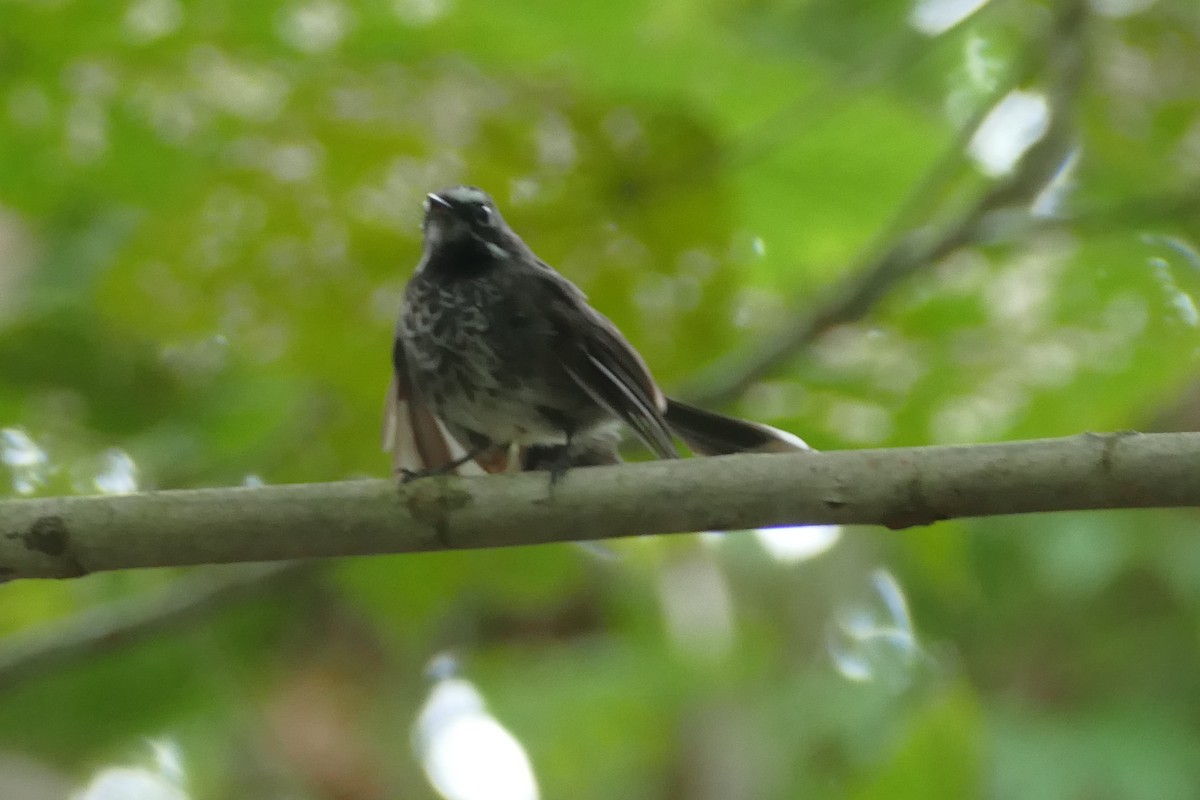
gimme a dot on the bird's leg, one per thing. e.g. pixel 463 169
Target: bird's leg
pixel 559 462
pixel 540 457
pixel 591 448
pixel 556 459
pixel 448 468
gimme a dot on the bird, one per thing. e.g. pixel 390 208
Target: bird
pixel 501 365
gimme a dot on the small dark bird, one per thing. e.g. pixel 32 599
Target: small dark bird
pixel 501 364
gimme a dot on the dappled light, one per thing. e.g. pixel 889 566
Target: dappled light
pixel 1014 125
pixel 938 16
pixel 1177 255
pixel 466 752
pixel 116 473
pixel 871 637
pixel 163 779
pixel 27 463
pixel 792 545
pixel 1121 8
pixel 697 607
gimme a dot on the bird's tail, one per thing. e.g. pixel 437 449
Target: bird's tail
pixel 708 433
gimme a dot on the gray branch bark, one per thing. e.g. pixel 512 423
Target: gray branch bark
pixel 68 537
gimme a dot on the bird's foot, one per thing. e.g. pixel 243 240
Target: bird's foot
pixel 556 459
pixel 449 468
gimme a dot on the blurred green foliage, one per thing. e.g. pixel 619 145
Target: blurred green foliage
pixel 207 214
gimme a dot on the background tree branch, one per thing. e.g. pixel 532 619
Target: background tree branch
pixel 68 537
pixel 124 622
pixel 928 226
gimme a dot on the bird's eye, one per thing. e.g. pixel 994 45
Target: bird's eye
pixel 483 215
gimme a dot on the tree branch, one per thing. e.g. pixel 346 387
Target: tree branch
pixel 68 537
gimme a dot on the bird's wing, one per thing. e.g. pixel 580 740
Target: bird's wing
pixel 419 441
pixel 597 357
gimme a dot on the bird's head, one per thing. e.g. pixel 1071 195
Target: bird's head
pixel 465 220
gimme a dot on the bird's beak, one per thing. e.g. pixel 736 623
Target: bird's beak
pixel 435 202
